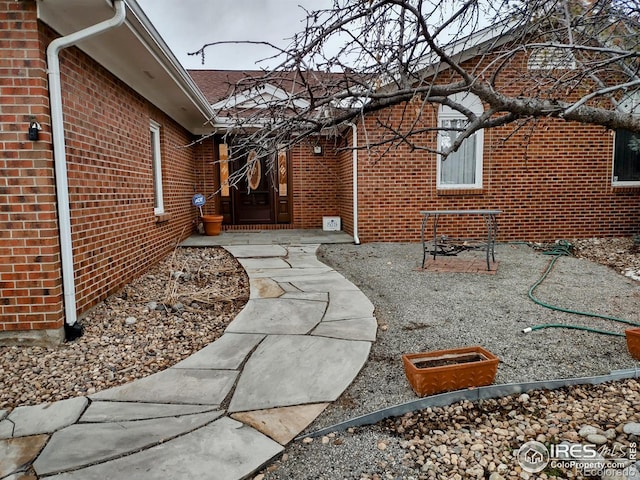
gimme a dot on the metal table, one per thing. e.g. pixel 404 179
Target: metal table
pixel 489 218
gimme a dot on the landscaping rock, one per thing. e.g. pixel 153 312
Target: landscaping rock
pixel 587 430
pixel 115 349
pixel 632 428
pixel 597 439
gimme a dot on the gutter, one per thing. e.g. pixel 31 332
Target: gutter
pixel 60 155
pixel 354 130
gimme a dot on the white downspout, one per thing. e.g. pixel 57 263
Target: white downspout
pixel 354 130
pixel 59 150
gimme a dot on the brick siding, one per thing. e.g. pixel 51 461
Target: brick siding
pixel 116 236
pixel 315 183
pixel 552 181
pixel 30 281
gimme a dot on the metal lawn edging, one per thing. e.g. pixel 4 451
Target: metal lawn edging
pixel 473 395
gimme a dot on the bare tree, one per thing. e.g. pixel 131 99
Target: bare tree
pixel 575 60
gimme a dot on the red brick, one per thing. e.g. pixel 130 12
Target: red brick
pixel 115 234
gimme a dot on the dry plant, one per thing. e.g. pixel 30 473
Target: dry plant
pixel 199 289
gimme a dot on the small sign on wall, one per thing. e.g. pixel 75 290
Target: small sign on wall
pixel 331 224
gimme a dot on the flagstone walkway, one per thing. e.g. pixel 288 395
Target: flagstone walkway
pixel 225 411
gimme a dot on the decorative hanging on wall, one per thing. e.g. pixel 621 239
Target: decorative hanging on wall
pixel 282 173
pixel 254 170
pixel 224 169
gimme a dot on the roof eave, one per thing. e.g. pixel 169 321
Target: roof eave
pixel 137 55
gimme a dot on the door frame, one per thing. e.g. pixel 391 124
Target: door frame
pixel 281 205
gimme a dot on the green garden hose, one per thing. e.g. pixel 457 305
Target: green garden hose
pixel 560 249
pixel 574 327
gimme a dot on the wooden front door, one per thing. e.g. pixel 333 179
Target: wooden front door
pixel 254 193
pixel 253 196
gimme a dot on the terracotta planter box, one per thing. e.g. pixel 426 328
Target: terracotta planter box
pixel 447 370
pixel 633 342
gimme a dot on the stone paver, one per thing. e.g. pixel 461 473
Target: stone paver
pixel 224 450
pixel 257 264
pixel 324 282
pixel 282 424
pixel 302 338
pixel 294 238
pixel 17 453
pixel 105 441
pixel 279 274
pixel 264 288
pixel 6 429
pixel 226 353
pixel 278 316
pixel 20 476
pixel 47 417
pixel 294 370
pixel 288 288
pixel 354 329
pixel 256 251
pixel 308 249
pixel 348 304
pixel 304 260
pixel 312 296
pixel 175 385
pixel 127 411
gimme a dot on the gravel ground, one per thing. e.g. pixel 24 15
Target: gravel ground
pixel 165 316
pixel 422 311
pixel 183 304
pixel 479 440
pixel 425 311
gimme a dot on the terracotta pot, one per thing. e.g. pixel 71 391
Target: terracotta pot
pixel 447 370
pixel 212 224
pixel 633 342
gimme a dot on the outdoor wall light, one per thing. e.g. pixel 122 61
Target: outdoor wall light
pixel 34 129
pixel 317 150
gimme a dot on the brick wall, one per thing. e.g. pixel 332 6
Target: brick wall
pixel 30 281
pixel 207 176
pixel 345 181
pixel 315 183
pixel 116 236
pixel 552 181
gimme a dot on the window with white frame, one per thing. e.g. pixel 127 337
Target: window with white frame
pixel 462 168
pixel 626 151
pixel 156 157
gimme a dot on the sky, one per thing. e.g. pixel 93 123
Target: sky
pixel 186 25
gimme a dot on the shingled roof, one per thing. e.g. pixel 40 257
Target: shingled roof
pixel 218 85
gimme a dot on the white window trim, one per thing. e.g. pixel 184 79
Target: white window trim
pixel 158 194
pixel 614 182
pixel 473 102
pixel 631 104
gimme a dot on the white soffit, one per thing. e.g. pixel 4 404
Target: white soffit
pixel 136 54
